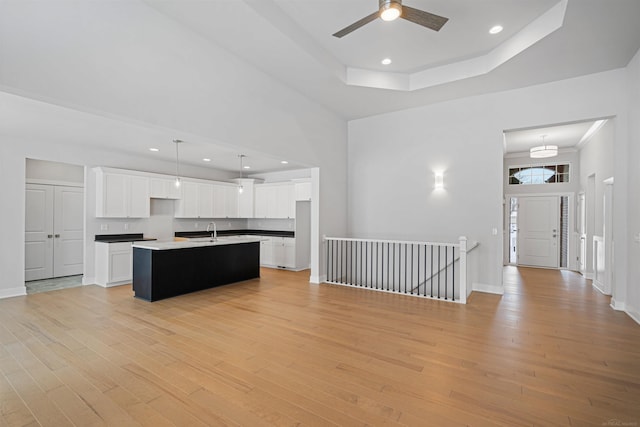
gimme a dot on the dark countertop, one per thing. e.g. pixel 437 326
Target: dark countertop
pixel 273 233
pixel 119 238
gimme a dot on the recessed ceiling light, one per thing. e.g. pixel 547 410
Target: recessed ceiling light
pixel 495 29
pixel 206 160
pixel 154 149
pixel 247 167
pixel 284 162
pixel 386 61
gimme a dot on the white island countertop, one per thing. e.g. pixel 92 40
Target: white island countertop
pixel 161 245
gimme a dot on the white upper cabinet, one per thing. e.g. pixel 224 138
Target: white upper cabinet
pixel 231 201
pixel 303 191
pixel 275 201
pixel 121 196
pixel 126 194
pixel 163 188
pixel 187 205
pixel 207 200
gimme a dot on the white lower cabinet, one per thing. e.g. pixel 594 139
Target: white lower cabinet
pixel 113 263
pixel 266 251
pixel 278 252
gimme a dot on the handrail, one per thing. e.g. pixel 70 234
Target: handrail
pixel 404 242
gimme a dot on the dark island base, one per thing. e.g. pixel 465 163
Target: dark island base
pixel 159 274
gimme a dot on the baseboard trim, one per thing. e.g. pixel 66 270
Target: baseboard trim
pixel 88 280
pixel 111 285
pixel 634 314
pixel 616 305
pixel 13 292
pixel 599 286
pixel 487 289
pixel 316 280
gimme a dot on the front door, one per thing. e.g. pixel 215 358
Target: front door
pixel 538 231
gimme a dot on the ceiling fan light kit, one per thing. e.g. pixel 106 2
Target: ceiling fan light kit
pixel 389 10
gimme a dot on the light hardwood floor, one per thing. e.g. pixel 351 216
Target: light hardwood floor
pixel 279 351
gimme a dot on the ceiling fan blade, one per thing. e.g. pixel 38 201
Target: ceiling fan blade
pixel 420 17
pixel 343 32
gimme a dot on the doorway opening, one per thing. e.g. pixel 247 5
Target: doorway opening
pixel 54 225
pixel 539 231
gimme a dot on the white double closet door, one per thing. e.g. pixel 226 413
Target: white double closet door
pixel 53 231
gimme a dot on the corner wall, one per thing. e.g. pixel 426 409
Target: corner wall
pixel 630 299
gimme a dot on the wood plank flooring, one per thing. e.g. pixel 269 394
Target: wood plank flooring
pixel 279 351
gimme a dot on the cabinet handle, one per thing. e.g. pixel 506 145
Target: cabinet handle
pixel 57 236
pixel 49 236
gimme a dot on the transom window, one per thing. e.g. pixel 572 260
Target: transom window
pixel 539 174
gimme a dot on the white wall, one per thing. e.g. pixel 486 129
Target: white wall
pixel 41 170
pixel 629 298
pixel 596 159
pixel 392 158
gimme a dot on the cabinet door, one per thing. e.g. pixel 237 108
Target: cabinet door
pixel 231 201
pixel 205 201
pixel 278 251
pixel 157 188
pixel 266 252
pixel 138 197
pixel 285 200
pixel 289 253
pixel 162 188
pixel 219 201
pixel 114 196
pixel 260 206
pixel 303 191
pixel 120 262
pixel 187 206
pixel 271 195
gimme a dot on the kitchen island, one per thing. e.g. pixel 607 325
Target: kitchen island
pixel 167 269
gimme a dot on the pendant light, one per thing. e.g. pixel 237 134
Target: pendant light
pixel 178 180
pixel 241 188
pixel 543 151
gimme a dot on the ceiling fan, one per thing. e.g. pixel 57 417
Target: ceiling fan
pixel 391 9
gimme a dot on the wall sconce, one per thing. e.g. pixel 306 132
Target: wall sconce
pixel 439 181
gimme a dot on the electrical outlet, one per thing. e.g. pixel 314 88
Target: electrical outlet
pixel 104 227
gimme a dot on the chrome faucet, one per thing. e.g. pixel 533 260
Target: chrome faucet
pixel 214 235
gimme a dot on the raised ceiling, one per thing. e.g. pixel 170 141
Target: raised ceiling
pixel 291 41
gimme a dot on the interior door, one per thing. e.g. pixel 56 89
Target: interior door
pixel 539 231
pixel 68 231
pixel 38 246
